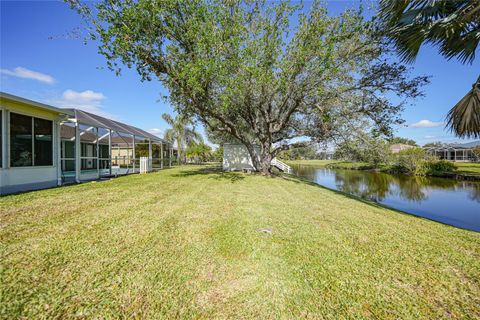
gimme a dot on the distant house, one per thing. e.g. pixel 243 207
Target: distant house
pixel 457 152
pixel 397 147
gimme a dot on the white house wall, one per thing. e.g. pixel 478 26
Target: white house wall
pixel 236 157
pixel 17 179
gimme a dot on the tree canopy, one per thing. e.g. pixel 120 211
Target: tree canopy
pixel 300 153
pixel 261 73
pixel 198 152
pixel 401 140
pixel 364 147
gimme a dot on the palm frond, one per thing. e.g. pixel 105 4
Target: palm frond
pixel 181 133
pixel 453 26
pixel 168 119
pixel 464 118
pixel 169 135
pixel 193 136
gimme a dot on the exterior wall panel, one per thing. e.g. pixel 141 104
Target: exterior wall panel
pixel 17 179
pixel 236 157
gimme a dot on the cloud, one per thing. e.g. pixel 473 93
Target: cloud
pixel 25 73
pixel 156 131
pixel 426 124
pixel 87 97
pixel 87 100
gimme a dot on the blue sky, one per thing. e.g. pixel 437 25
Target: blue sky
pixel 42 59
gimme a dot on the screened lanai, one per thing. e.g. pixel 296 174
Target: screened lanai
pixel 453 152
pixel 93 147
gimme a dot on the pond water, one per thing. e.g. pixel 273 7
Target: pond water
pixel 449 201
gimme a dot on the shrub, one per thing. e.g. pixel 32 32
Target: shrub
pixel 434 168
pixel 422 168
pixel 440 167
pixel 408 160
pixel 416 161
pixel 476 153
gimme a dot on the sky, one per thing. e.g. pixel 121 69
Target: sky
pixel 43 57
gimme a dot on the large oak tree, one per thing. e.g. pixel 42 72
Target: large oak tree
pixel 258 73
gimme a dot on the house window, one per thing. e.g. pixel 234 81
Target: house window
pixel 20 140
pixel 31 141
pixel 43 130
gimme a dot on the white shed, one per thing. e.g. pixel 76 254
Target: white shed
pixel 236 157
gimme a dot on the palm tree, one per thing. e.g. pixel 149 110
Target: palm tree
pixel 182 132
pixel 464 118
pixel 454 26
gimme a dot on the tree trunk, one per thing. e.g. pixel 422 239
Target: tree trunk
pixel 179 151
pixel 263 161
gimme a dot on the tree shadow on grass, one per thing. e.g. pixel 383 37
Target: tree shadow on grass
pixel 213 172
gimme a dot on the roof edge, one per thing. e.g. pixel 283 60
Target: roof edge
pixel 8 96
pixel 97 120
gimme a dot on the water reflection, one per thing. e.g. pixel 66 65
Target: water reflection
pixel 475 192
pixel 446 200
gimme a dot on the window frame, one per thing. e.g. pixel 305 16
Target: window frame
pixel 63 158
pixel 102 135
pixel 62 146
pixel 9 131
pixel 85 143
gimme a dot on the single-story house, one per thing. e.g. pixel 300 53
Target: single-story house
pixel 397 147
pixel 43 146
pixel 457 152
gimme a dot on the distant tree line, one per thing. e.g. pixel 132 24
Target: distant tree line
pixel 306 152
pixel 376 153
pixel 201 153
pixel 401 140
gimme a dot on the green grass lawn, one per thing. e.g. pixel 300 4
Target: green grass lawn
pixel 468 167
pixel 190 242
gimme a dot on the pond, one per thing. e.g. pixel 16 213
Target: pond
pixel 449 201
